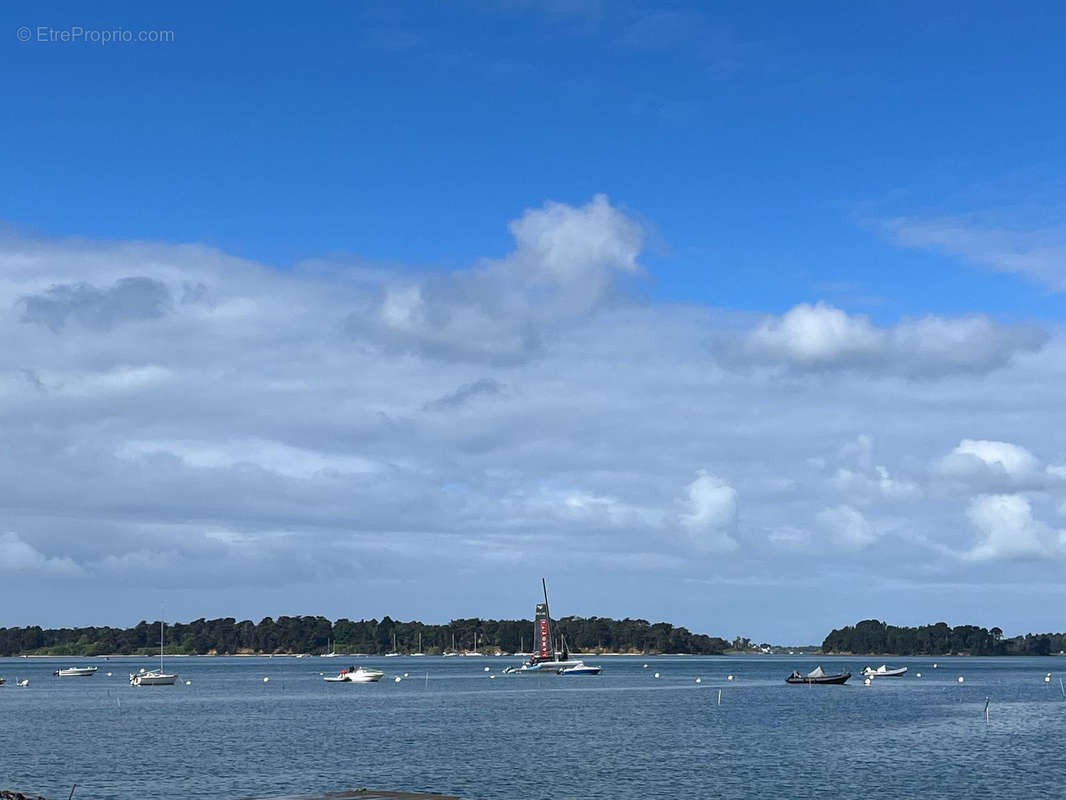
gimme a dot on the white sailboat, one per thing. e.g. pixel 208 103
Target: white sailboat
pixel 332 652
pixel 394 652
pixel 155 677
pixel 419 653
pixel 475 651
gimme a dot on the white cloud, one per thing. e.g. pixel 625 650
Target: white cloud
pixel 1038 254
pixel 565 265
pixel 847 527
pixel 822 337
pixel 987 464
pixel 1007 530
pixel 293 462
pixel 816 335
pixel 710 515
pixel 21 558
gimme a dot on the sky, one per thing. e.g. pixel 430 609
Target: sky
pixel 748 318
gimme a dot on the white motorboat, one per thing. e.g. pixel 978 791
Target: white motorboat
pixel 155 677
pixel 75 672
pixel 545 658
pixel 884 671
pixel 356 675
pixel 581 668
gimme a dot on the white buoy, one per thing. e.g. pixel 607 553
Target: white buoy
pixel 492 677
pixel 487 669
pixel 656 675
pixel 961 679
pixel 405 674
pixel 188 683
pixel 109 674
pixel 266 680
pixel 729 677
pixel 699 680
pixel 1047 679
pixel 867 682
pixel 918 675
pixel 397 679
pixel 645 666
pixel 935 666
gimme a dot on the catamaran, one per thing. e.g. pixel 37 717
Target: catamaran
pixel 545 658
pixel 155 677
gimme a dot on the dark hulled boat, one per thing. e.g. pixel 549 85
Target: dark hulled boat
pixel 818 675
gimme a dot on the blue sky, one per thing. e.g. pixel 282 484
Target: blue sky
pixel 788 192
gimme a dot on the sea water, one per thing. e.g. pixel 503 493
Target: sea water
pixel 451 726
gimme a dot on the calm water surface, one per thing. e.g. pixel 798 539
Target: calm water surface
pixel 624 734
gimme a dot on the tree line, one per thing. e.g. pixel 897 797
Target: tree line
pixel 872 636
pixel 317 635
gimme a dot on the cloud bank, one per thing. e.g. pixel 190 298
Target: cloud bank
pixel 176 417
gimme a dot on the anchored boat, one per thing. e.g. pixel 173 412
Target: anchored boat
pixel 155 677
pixel 818 675
pixel 356 675
pixel 884 671
pixel 545 658
pixel 75 672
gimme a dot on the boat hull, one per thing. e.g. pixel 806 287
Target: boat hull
pixel 75 672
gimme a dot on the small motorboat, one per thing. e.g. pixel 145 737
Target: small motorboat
pixel 581 668
pixel 884 671
pixel 356 675
pixel 75 672
pixel 818 675
pixel 1 681
pixel 24 682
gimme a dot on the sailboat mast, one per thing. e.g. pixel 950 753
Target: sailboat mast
pixel 161 623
